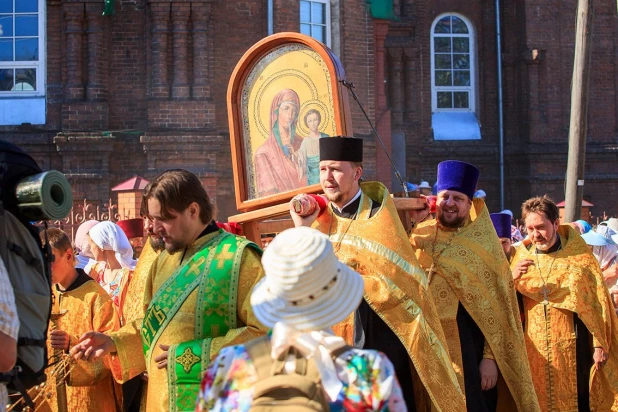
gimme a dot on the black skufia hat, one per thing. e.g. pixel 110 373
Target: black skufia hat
pixel 341 148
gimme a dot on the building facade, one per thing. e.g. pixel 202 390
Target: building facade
pixel 104 98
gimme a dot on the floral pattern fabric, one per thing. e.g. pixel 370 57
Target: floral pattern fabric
pixel 116 288
pixel 368 378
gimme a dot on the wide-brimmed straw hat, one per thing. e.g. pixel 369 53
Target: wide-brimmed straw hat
pixel 305 285
pixel 424 185
pixel 612 223
pixel 592 238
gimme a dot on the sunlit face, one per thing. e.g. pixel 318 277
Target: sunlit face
pixel 313 121
pixel 137 243
pixel 62 265
pixel 96 251
pixel 541 231
pixel 506 246
pixel 452 208
pixel 155 240
pixel 339 180
pixel 287 114
pixel 175 230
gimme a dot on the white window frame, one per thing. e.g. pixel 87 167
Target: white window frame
pixel 39 65
pixel 473 82
pixel 328 22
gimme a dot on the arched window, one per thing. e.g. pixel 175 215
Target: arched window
pixel 453 63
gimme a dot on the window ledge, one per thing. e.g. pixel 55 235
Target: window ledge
pixel 17 110
pixel 455 126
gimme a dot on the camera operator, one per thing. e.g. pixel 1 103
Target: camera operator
pixel 9 327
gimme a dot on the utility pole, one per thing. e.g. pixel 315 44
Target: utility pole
pixel 579 112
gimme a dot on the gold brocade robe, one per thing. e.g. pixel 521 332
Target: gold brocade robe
pixel 573 284
pixel 130 361
pixel 133 307
pixel 471 268
pixel 396 289
pixel 90 385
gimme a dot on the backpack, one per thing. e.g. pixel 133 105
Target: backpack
pixel 29 273
pixel 276 391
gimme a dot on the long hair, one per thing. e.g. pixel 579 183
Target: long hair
pixel 175 190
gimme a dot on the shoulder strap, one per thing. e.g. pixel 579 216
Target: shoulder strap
pixel 21 252
pixel 259 352
pixel 335 354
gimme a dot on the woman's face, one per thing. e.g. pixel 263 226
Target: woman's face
pixel 287 114
pixel 313 121
pixel 96 251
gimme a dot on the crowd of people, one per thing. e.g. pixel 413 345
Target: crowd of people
pixel 347 311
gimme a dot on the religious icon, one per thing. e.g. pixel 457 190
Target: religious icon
pixel 283 97
pixel 310 148
pixel 281 142
pixel 277 164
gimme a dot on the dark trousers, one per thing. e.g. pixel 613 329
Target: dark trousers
pixel 132 394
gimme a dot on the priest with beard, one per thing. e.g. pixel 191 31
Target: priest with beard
pixel 470 282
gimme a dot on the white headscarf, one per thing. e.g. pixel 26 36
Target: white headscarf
pixel 109 236
pixel 606 255
pixel 81 240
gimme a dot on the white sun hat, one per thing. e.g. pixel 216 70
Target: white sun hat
pixel 612 223
pixel 305 285
pixel 480 194
pixel 424 185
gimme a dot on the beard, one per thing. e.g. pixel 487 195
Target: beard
pixel 542 247
pixel 175 246
pixel 337 197
pixel 156 243
pixel 454 224
pixel 551 241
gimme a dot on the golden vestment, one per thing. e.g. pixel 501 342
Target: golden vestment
pixel 133 307
pixel 395 288
pixel 130 359
pixel 573 285
pixel 469 267
pixel 90 385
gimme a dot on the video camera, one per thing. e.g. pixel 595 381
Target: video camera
pixel 27 191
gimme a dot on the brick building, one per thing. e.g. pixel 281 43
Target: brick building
pixel 104 98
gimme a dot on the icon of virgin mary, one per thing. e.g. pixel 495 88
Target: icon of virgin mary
pixel 276 162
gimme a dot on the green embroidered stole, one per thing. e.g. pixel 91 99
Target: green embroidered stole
pixel 215 271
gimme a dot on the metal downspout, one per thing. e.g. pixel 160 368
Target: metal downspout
pixel 270 19
pixel 500 102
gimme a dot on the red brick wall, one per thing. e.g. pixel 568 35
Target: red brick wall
pixel 536 98
pixel 147 102
pixel 539 95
